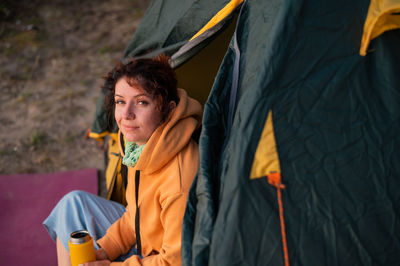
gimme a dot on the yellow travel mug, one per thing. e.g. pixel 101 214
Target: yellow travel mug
pixel 81 247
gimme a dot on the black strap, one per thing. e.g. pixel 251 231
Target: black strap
pixel 124 168
pixel 137 218
pixel 124 176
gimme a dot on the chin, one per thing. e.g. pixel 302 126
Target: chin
pixel 130 139
pixel 133 139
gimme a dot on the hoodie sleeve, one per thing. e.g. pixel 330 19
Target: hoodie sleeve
pixel 173 208
pixel 119 238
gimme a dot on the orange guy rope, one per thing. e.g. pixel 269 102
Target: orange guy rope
pixel 275 180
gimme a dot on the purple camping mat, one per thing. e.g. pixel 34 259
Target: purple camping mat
pixel 25 201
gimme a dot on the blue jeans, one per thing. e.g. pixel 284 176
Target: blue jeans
pixel 79 210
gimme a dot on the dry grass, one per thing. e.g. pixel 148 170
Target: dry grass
pixel 53 54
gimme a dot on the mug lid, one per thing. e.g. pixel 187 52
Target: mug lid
pixel 79 237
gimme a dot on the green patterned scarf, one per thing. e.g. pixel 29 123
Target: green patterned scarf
pixel 132 153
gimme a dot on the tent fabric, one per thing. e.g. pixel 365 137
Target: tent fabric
pixel 26 200
pixel 336 123
pixel 204 36
pixel 171 26
pixel 222 14
pixel 383 15
pixel 266 160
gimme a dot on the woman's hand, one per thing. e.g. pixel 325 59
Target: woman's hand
pixel 101 259
pixel 101 254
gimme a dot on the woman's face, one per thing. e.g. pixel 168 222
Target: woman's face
pixel 136 112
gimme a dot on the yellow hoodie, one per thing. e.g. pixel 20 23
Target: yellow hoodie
pixel 167 166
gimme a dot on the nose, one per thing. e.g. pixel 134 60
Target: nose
pixel 129 112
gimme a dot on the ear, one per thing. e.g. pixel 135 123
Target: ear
pixel 172 105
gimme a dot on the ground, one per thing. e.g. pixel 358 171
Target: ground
pixel 53 54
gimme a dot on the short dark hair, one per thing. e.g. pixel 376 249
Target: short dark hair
pixel 154 75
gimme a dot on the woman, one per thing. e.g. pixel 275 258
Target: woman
pixel 156 121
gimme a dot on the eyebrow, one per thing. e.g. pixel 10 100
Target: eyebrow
pixel 142 94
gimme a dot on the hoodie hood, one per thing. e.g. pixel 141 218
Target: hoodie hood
pixel 171 136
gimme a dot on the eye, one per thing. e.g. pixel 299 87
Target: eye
pixel 119 101
pixel 142 102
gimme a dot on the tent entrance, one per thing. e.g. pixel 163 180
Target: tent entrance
pixel 197 74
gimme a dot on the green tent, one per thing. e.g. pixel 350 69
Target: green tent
pixel 299 158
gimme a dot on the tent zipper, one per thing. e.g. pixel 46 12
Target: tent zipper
pixel 235 77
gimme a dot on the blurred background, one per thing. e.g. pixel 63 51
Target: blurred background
pixel 53 54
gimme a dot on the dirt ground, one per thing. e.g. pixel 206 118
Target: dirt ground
pixel 53 54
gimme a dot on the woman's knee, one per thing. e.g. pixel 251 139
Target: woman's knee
pixel 73 197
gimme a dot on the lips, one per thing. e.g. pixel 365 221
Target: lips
pixel 129 128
